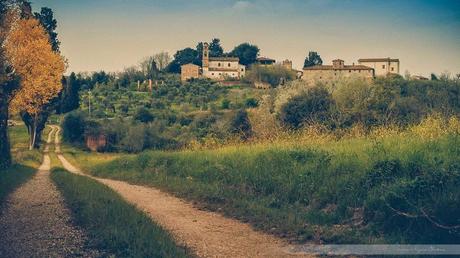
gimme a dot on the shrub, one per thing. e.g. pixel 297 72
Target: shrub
pixel 241 125
pixel 143 115
pixel 251 103
pixel 73 127
pixel 314 106
pixel 272 75
pixel 225 104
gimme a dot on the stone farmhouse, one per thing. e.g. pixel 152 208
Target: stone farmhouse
pixel 216 68
pixel 381 66
pixel 338 70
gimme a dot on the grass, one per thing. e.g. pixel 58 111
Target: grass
pixel 389 188
pixel 112 224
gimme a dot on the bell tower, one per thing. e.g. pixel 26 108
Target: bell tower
pixel 205 55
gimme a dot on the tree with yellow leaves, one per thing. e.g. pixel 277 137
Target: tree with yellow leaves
pixel 40 69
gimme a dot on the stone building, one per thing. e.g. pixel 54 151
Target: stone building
pixel 381 66
pixel 338 70
pixel 189 71
pixel 265 61
pixel 216 68
pixel 221 68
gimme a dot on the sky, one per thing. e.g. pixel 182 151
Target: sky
pixel 111 35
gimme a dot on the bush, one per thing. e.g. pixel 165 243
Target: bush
pixel 73 127
pixel 251 103
pixel 143 115
pixel 241 125
pixel 272 75
pixel 314 106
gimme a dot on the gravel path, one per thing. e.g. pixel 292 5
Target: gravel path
pixel 36 223
pixel 208 234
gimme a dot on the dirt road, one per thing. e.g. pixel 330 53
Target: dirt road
pixel 208 234
pixel 36 223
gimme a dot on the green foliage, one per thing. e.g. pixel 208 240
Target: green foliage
pixel 110 222
pixel 312 59
pixel 143 115
pixel 215 49
pixel 182 57
pixel 46 18
pixel 251 103
pixel 69 97
pixel 314 106
pixel 246 52
pixel 73 127
pixel 225 104
pixel 343 191
pixel 240 124
pixel 273 75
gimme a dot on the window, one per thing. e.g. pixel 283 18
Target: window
pixel 392 69
pixel 349 71
pixel 383 66
pixel 218 64
pixel 220 73
pixel 228 64
pixel 212 73
pixel 242 69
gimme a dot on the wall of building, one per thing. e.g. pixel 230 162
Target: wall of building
pixel 330 76
pixel 217 72
pixel 189 71
pixel 382 68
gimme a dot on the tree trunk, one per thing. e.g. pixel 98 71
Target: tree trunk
pixel 33 136
pixel 5 154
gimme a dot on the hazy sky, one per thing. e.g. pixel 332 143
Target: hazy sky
pixel 113 34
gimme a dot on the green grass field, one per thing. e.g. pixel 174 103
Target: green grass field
pixel 112 224
pixel 400 188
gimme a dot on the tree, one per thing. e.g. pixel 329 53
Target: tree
pixel 215 49
pixel 241 125
pixel 162 60
pixel 40 69
pixel 48 22
pixel 8 84
pixel 143 115
pixel 312 59
pixel 70 98
pixel 310 107
pixel 246 52
pixel 149 67
pixel 46 19
pixel 184 56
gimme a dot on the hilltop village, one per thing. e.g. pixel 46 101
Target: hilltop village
pixel 230 68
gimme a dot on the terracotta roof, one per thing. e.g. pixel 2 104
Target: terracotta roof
pixel 265 59
pixel 190 64
pixel 378 60
pixel 223 58
pixel 345 67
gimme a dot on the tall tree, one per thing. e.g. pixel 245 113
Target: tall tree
pixel 69 99
pixel 162 60
pixel 8 83
pixel 184 56
pixel 149 67
pixel 215 49
pixel 246 52
pixel 312 59
pixel 46 18
pixel 39 67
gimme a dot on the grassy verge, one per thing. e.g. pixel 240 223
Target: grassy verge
pixel 111 223
pixel 393 188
